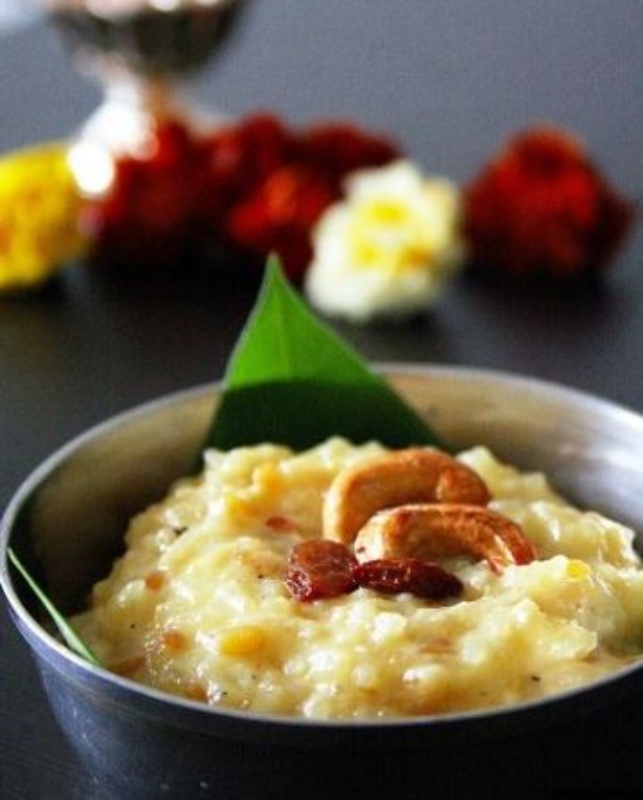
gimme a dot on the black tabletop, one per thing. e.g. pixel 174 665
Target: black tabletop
pixel 449 83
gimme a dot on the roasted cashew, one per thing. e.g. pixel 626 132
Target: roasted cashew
pixel 433 531
pixel 414 475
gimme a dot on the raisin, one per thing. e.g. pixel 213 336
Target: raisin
pixel 421 578
pixel 319 568
pixel 281 524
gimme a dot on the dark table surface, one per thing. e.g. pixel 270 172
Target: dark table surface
pixel 87 347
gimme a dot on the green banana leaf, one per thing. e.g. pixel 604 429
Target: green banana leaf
pixel 291 380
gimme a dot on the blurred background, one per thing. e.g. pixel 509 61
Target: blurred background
pixel 449 79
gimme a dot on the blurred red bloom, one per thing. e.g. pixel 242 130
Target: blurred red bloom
pixel 279 216
pixel 243 154
pixel 153 214
pixel 256 186
pixel 286 178
pixel 337 148
pixel 541 207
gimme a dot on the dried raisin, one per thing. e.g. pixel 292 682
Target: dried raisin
pixel 319 568
pixel 393 575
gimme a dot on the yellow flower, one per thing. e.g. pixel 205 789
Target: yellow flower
pixel 39 209
pixel 387 249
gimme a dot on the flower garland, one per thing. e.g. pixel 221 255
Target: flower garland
pixel 357 224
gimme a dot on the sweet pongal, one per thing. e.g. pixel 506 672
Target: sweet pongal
pixel 492 591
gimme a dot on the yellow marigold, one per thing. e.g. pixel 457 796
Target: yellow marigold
pixel 39 211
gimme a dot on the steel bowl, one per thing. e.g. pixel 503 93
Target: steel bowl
pixel 66 523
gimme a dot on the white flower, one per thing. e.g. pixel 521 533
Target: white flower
pixel 386 249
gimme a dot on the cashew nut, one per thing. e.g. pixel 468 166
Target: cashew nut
pixel 414 475
pixel 433 531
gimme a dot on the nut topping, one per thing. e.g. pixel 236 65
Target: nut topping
pixel 414 475
pixel 432 532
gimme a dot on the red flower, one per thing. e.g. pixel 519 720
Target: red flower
pixel 280 215
pixel 256 185
pixel 338 148
pixel 154 212
pixel 541 207
pixel 279 181
pixel 242 155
